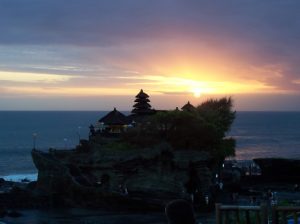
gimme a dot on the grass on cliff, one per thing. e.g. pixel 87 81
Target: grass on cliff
pixel 120 146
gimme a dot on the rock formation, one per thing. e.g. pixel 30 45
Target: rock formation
pixel 151 176
pixel 279 169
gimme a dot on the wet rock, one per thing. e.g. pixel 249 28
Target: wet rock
pixel 2 181
pixel 285 169
pixel 31 185
pixel 25 180
pixel 14 214
pixel 105 176
pixel 3 212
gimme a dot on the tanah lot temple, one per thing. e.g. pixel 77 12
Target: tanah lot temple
pixel 101 171
pixel 115 122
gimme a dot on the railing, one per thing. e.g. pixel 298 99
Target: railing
pixel 234 214
pixel 281 214
pixel 230 214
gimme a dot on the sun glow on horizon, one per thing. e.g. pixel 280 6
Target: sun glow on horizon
pixel 181 85
pixel 197 92
pixel 193 82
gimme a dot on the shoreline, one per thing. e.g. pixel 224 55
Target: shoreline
pixel 255 189
pixel 32 176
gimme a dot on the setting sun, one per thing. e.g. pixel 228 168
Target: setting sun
pixel 197 92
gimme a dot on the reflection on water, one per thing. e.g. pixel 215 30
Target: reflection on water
pixel 267 134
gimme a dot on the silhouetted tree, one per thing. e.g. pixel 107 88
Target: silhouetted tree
pixel 204 128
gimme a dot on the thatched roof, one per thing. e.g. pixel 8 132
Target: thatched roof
pixel 142 99
pixel 115 117
pixel 143 111
pixel 143 105
pixel 141 94
pixel 188 107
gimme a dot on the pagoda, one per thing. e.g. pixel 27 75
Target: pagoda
pixel 142 106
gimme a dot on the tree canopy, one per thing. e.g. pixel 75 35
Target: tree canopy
pixel 204 128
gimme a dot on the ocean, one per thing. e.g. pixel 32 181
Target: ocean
pixel 258 134
pixel 266 134
pixel 56 129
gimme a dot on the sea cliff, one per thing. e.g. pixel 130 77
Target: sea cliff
pixel 93 176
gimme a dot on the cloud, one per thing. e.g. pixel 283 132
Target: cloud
pixel 32 77
pixel 104 22
pixel 297 81
pixel 234 46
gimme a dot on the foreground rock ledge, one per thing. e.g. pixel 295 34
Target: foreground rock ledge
pixel 104 177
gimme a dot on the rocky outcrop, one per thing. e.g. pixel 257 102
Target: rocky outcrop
pixel 145 175
pixel 279 169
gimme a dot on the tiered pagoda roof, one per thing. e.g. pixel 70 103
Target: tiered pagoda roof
pixel 142 106
pixel 142 95
pixel 141 110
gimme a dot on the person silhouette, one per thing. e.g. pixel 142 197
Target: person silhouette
pixel 180 212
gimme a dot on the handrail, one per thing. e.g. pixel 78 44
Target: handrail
pixel 278 214
pixel 284 210
pixel 236 207
pixel 288 208
pixel 223 212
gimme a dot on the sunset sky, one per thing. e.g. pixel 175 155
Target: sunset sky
pixel 98 54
